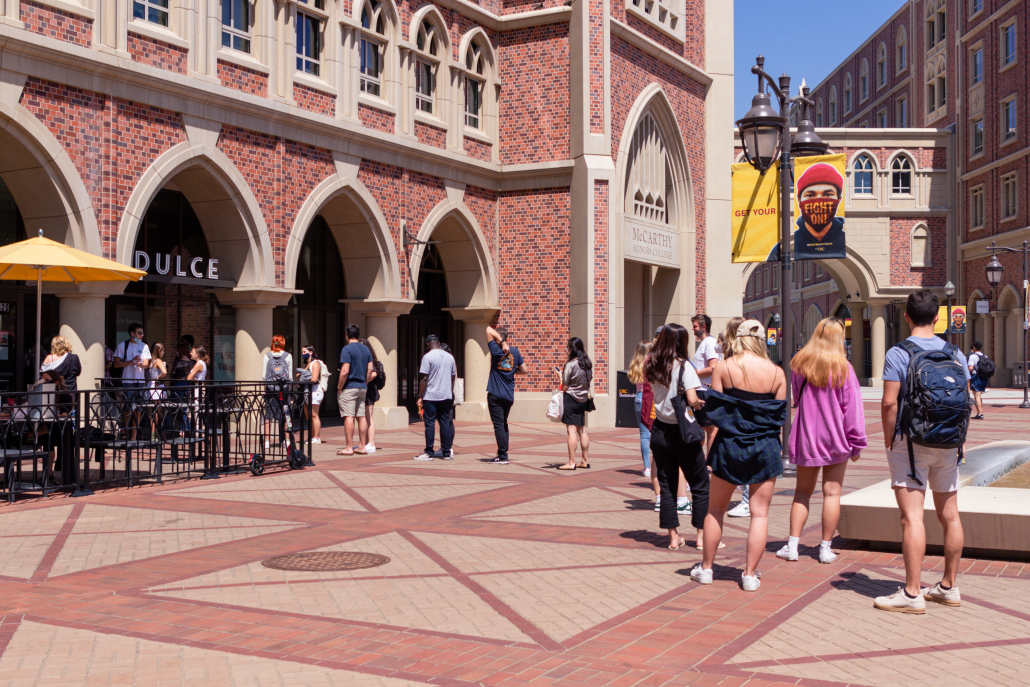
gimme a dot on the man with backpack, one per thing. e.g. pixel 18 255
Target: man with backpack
pixel 925 413
pixel 355 369
pixel 981 369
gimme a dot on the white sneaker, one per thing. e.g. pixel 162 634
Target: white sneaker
pixel 647 473
pixel 948 597
pixel 449 455
pixel 899 602
pixel 369 448
pixel 700 575
pixel 742 510
pixel 787 554
pixel 751 583
pixel 424 456
pixel 316 441
pixel 826 555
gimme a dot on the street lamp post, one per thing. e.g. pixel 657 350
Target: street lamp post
pixel 949 291
pixel 994 272
pixel 765 134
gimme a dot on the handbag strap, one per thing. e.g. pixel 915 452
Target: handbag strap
pixel 680 390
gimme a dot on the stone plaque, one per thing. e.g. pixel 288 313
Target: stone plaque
pixel 651 244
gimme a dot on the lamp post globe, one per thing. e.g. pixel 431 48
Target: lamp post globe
pixel 760 131
pixel 994 271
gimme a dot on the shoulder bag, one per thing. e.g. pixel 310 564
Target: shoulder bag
pixel 690 430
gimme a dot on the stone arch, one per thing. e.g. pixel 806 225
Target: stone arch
pixel 812 317
pixel 223 202
pixel 853 275
pixel 468 266
pixel 857 153
pixel 361 233
pixel 44 181
pixel 431 13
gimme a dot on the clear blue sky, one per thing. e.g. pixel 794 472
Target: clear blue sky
pixel 802 38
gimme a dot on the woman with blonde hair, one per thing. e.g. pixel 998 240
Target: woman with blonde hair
pixel 742 509
pixel 748 405
pixel 636 376
pixel 828 431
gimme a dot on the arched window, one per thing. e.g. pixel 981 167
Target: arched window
pixel 833 105
pixel 901 50
pixel 427 62
pixel 649 186
pixel 474 85
pixel 372 46
pixel 847 94
pixel 921 246
pixel 819 112
pixel 881 67
pixel 863 82
pixel 901 176
pixel 862 170
pixel 812 319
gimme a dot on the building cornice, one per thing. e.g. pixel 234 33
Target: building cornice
pixel 508 22
pixel 1009 239
pixel 639 40
pixel 989 21
pixel 1011 157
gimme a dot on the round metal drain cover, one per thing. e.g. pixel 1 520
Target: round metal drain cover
pixel 324 561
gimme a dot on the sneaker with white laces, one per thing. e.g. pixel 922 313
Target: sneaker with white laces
pixel 425 455
pixel 900 602
pixel 787 554
pixel 657 504
pixel 369 448
pixel 316 440
pixel 742 510
pixel 826 555
pixel 937 594
pixel 647 473
pixel 751 583
pixel 700 575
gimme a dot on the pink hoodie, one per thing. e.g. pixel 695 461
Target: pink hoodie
pixel 830 423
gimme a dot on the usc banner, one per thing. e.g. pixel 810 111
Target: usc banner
pixel 756 213
pixel 818 207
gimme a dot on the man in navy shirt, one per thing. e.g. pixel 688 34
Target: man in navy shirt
pixel 505 363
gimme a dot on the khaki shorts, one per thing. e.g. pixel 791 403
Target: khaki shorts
pixel 352 402
pixel 936 468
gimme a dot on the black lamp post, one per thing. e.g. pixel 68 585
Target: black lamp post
pixel 994 272
pixel 949 291
pixel 765 136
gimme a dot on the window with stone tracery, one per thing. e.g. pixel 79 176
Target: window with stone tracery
pixel 649 189
pixel 665 14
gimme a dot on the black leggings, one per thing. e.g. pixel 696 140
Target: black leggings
pixel 669 453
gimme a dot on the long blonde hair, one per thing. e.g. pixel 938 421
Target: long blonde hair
pixel 729 335
pixel 823 360
pixel 636 367
pixel 60 345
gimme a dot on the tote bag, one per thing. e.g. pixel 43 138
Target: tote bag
pixel 556 406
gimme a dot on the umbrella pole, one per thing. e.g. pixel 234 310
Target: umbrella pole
pixel 39 315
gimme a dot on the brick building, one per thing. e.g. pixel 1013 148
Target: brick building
pixel 289 166
pixel 956 66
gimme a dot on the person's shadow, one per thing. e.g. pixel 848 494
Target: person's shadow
pixel 860 583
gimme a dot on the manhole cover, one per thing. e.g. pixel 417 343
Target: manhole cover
pixel 323 561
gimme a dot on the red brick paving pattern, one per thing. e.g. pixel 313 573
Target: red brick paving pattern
pixel 586 593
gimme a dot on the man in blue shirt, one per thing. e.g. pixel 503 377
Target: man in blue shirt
pixel 936 467
pixel 505 363
pixel 355 369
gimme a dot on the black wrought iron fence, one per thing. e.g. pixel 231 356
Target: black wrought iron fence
pixel 54 440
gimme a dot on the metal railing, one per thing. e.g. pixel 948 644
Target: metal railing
pixel 125 435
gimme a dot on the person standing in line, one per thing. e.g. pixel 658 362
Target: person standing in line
pixel 436 398
pixel 63 368
pixel 278 368
pixel 575 382
pixel 706 355
pixel 977 384
pixel 665 368
pixel 133 358
pixel 156 372
pixel 352 389
pixel 636 377
pixel 371 397
pixel 318 372
pixel 748 405
pixel 201 362
pixel 742 509
pixel 828 431
pixel 911 474
pixel 505 362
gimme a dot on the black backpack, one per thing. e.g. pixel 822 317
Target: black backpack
pixel 985 367
pixel 380 380
pixel 935 410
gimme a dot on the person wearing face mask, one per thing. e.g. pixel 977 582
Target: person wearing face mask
pixel 819 233
pixel 133 358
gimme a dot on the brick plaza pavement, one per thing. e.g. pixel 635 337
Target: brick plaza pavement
pixel 498 575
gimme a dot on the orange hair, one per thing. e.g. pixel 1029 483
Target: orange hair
pixel 278 343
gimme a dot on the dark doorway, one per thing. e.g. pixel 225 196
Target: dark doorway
pixel 428 317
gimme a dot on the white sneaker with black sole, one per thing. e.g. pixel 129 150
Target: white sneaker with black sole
pixel 425 455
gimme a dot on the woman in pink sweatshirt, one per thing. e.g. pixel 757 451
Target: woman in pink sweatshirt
pixel 828 430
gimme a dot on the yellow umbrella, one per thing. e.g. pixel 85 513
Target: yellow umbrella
pixel 45 260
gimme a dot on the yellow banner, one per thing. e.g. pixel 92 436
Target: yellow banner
pixel 756 213
pixel 819 207
pixel 955 323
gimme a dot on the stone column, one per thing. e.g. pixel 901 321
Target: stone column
pixel 857 339
pixel 999 339
pixel 878 341
pixel 381 331
pixel 253 308
pixel 82 323
pixel 477 361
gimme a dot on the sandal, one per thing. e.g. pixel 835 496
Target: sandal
pixel 585 466
pixel 678 546
pixel 701 547
pixel 567 467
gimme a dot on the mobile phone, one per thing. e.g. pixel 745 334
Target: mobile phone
pixel 557 369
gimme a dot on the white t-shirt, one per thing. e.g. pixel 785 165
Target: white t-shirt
pixel 127 351
pixel 707 350
pixel 663 395
pixel 973 361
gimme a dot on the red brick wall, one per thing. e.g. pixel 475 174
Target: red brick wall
pixel 479 150
pixel 63 26
pixel 534 104
pixel 430 135
pixel 596 66
pixel 534 278
pixel 314 101
pixel 483 204
pixel 601 286
pixel 375 119
pixel 902 272
pixel 303 168
pixel 693 47
pixel 242 79
pixel 157 54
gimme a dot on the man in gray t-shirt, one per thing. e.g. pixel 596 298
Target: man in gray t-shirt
pixel 436 397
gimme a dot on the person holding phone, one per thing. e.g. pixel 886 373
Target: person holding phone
pixel 576 402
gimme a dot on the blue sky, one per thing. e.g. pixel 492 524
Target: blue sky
pixel 802 38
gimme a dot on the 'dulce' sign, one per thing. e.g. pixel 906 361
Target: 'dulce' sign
pixel 163 264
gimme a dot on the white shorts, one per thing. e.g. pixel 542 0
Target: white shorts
pixel 936 468
pixel 317 396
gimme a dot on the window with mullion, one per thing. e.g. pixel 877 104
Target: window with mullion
pixel 153 11
pixel 309 43
pixel 371 66
pixel 1008 120
pixel 1008 44
pixel 473 102
pixel 863 175
pixel 424 86
pixel 236 25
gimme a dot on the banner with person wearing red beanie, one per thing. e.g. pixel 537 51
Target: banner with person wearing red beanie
pixel 819 207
